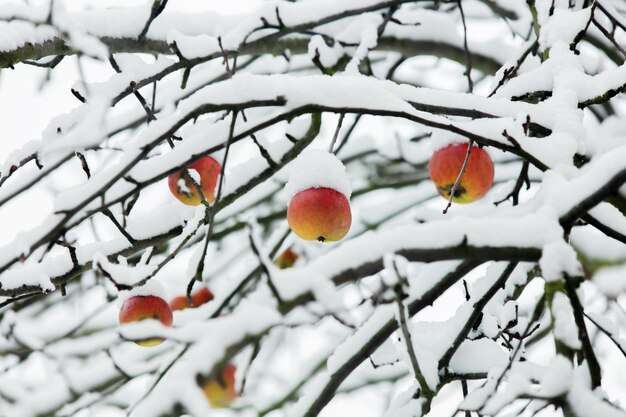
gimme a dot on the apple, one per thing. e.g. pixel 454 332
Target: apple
pixel 286 259
pixel 319 213
pixel 220 391
pixel 184 189
pixel 202 296
pixel 445 166
pixel 142 307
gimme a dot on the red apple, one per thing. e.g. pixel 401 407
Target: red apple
pixel 286 259
pixel 181 302
pixel 221 391
pixel 445 166
pixel 319 213
pixel 184 189
pixel 142 307
pixel 203 295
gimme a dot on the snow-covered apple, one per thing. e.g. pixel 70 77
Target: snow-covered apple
pixel 318 190
pixel 220 391
pixel 319 214
pixel 181 302
pixel 183 188
pixel 142 307
pixel 286 259
pixel 446 164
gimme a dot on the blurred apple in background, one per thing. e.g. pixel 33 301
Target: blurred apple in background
pixel 286 259
pixel 220 391
pixel 202 296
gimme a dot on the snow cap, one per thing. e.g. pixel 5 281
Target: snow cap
pixel 317 169
pixel 152 287
pixel 440 140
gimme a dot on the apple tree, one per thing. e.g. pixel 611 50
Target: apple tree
pixel 264 172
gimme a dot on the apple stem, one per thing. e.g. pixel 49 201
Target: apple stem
pixel 458 178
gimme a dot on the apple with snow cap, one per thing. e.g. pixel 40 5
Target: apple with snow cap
pixel 202 296
pixel 446 164
pixel 319 192
pixel 220 391
pixel 145 303
pixel 204 172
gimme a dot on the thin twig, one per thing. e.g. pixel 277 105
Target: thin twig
pixel 522 179
pixel 212 211
pixel 512 71
pixel 262 261
pixel 120 287
pixel 159 377
pixel 332 143
pixel 425 389
pixel 225 55
pixel 610 37
pixel 478 307
pixel 592 361
pixel 117 366
pixel 607 333
pixel 468 54
pixel 264 153
pixel 580 35
pixel 18 298
pixel 157 9
pixel 346 136
pixel 458 179
pixel 153 104
pixel 464 391
pixel 255 352
pixel 107 212
pixel 83 163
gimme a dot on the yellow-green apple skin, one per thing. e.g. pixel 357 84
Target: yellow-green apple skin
pixel 319 214
pixel 142 307
pixel 202 296
pixel 445 166
pixel 208 169
pixel 286 259
pixel 220 392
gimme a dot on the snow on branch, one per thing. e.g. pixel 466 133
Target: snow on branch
pixel 170 175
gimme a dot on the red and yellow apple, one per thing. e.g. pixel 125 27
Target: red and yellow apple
pixel 319 214
pixel 181 302
pixel 220 391
pixel 286 259
pixel 446 164
pixel 142 307
pixel 183 188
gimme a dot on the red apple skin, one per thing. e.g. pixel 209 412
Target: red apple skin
pixel 319 214
pixel 220 392
pixel 202 296
pixel 142 307
pixel 286 259
pixel 445 165
pixel 209 170
pixel 181 302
